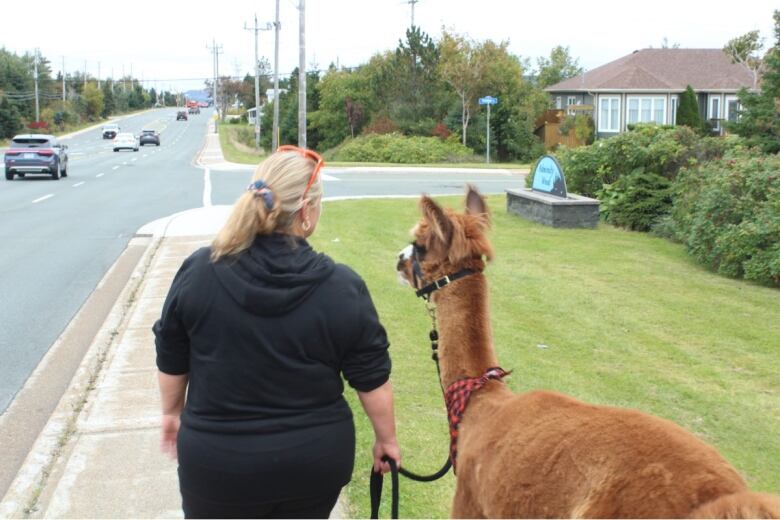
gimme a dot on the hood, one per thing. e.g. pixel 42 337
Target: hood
pixel 275 275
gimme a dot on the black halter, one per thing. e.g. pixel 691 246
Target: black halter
pixel 425 291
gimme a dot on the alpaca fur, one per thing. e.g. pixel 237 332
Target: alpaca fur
pixel 543 454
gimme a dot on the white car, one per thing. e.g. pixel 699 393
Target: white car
pixel 125 141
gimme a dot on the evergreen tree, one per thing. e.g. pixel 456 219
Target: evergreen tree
pixel 688 111
pixel 759 121
pixel 10 121
pixel 109 105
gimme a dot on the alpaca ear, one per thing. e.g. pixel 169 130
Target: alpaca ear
pixel 437 220
pixel 475 204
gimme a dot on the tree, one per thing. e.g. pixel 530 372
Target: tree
pixel 93 99
pixel 10 120
pixel 558 67
pixel 461 66
pixel 759 118
pixel 109 104
pixel 746 50
pixel 688 111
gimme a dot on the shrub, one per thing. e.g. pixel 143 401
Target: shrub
pixel 658 149
pixel 727 212
pixel 381 125
pixel 636 201
pixel 396 148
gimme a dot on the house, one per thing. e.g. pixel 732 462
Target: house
pixel 646 85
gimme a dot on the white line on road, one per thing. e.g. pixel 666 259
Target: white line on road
pixel 124 163
pixel 143 156
pixel 40 199
pixel 115 168
pixel 133 159
pixel 206 188
pixel 78 184
pixel 99 175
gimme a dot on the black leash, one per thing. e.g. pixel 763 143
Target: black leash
pixel 377 479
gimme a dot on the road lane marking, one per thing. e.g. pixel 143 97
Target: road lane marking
pixel 133 159
pixel 41 199
pixel 124 163
pixel 99 175
pixel 78 184
pixel 143 156
pixel 115 168
pixel 206 188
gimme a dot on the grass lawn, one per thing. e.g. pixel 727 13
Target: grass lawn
pixel 235 151
pixel 627 320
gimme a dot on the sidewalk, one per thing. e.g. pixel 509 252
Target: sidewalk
pixel 211 155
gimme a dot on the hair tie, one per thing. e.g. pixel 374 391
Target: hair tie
pixel 260 189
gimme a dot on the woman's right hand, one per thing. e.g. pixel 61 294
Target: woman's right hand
pixel 389 448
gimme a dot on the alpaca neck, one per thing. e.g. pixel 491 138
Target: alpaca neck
pixel 465 338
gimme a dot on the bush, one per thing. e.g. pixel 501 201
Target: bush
pixel 727 212
pixel 658 149
pixel 636 201
pixel 396 148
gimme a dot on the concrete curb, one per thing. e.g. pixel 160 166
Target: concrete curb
pixel 31 480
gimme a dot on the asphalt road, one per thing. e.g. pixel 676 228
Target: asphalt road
pixel 59 238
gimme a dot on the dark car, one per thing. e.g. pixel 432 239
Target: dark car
pixel 110 130
pixel 36 153
pixel 149 137
pixel 181 115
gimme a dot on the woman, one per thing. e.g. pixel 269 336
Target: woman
pixel 257 331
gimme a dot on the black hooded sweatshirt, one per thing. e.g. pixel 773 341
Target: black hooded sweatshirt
pixel 265 337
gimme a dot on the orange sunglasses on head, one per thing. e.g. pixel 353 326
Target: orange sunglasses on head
pixel 309 154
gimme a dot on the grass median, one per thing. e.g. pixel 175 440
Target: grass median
pixel 608 316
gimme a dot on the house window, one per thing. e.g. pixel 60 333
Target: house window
pixel 732 108
pixel 650 109
pixel 674 110
pixel 609 114
pixel 714 115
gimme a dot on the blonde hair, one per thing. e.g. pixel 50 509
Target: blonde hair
pixel 286 175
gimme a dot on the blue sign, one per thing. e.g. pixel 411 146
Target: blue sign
pixel 488 100
pixel 548 177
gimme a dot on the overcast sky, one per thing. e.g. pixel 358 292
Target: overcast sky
pixel 166 40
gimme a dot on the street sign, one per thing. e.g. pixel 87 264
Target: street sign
pixel 488 100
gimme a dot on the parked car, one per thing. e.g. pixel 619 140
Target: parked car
pixel 125 141
pixel 193 110
pixel 110 130
pixel 181 115
pixel 36 153
pixel 149 137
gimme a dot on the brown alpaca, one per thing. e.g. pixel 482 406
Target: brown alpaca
pixel 543 454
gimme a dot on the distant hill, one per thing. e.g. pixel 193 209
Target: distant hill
pixel 198 95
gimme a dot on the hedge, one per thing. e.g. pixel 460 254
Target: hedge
pixel 396 148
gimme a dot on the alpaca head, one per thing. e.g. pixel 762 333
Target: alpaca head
pixel 446 241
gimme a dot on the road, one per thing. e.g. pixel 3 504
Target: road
pixel 60 237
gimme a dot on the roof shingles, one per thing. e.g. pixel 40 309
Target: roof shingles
pixel 663 69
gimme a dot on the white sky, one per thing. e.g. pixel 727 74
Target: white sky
pixel 165 40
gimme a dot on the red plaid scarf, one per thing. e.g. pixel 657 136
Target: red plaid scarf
pixel 457 397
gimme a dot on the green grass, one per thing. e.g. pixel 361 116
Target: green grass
pixel 235 151
pixel 628 320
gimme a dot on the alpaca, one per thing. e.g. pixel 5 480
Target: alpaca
pixel 543 454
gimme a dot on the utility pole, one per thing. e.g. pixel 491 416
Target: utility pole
pixel 412 2
pixel 216 50
pixel 302 75
pixel 275 137
pixel 63 79
pixel 257 78
pixel 37 105
pixel 98 75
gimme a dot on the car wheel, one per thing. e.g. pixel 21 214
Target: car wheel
pixel 116 149
pixel 135 149
pixel 64 173
pixel 158 144
pixel 21 175
pixel 56 173
pixel 9 175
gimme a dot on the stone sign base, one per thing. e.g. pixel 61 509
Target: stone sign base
pixel 574 211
